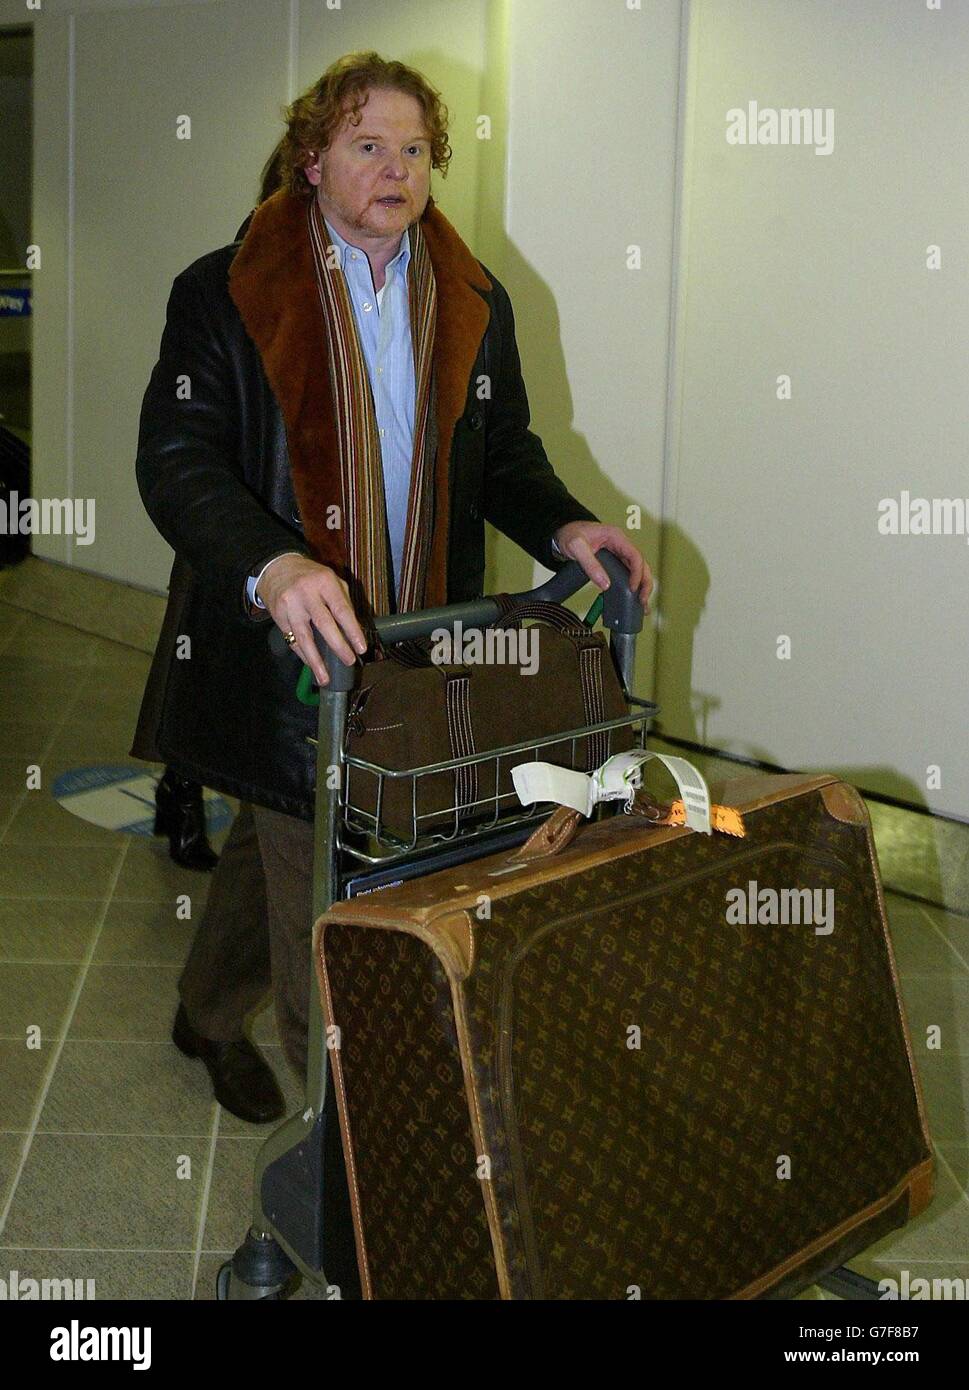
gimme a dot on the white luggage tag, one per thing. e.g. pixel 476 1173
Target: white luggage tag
pixel 616 780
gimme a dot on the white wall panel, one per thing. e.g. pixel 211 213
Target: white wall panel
pixel 815 266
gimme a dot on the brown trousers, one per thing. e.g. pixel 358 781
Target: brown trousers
pixel 255 933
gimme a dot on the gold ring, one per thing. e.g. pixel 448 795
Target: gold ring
pixel 290 637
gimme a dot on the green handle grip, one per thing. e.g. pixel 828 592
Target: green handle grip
pixel 304 688
pixel 594 613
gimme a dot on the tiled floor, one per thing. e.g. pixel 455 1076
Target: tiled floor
pixel 115 1162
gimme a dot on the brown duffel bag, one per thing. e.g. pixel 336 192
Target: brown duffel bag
pixel 578 1071
pixel 410 710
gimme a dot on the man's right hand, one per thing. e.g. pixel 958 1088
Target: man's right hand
pixel 300 595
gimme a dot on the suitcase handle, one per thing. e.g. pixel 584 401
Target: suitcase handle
pixel 561 828
pixel 551 836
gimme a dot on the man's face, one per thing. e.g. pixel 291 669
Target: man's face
pixel 375 178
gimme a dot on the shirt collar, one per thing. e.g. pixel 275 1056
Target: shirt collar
pixel 402 258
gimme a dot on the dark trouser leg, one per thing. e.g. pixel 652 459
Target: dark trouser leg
pixel 286 846
pixel 227 974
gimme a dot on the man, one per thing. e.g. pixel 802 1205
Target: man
pixel 314 444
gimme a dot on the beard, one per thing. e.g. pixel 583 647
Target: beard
pixel 368 219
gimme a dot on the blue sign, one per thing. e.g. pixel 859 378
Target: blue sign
pixel 15 304
pixel 123 798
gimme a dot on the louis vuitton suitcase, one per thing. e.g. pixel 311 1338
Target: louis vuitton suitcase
pixel 605 1068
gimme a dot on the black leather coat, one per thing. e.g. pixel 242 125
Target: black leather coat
pixel 214 476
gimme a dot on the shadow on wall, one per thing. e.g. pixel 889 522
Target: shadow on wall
pixel 684 568
pixel 567 448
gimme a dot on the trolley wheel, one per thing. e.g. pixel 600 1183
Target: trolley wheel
pixel 259 1269
pixel 225 1292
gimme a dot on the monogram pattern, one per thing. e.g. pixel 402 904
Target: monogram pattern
pixel 424 1220
pixel 655 1166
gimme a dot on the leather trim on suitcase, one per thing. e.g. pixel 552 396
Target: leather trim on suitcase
pixel 426 901
pixel 915 1181
pixel 436 910
pixel 865 819
pixel 346 1133
pixel 456 969
pixel 487 1187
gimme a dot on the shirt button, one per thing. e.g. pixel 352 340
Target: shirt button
pixel 380 371
pixel 382 433
pixel 368 305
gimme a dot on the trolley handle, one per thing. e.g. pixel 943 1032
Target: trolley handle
pixel 621 612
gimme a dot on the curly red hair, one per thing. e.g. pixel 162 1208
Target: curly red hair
pixel 313 117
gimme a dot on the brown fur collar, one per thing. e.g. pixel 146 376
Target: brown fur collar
pixel 272 283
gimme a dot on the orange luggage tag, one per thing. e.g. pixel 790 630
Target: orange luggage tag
pixel 723 818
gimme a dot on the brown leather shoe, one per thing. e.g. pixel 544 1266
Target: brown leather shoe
pixel 241 1077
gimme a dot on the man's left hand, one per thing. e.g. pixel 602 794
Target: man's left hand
pixel 579 541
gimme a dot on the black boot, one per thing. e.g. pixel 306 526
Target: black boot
pixel 179 814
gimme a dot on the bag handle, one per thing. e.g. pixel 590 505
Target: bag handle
pixel 554 614
pixel 415 651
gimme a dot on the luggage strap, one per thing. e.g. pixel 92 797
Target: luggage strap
pixel 618 778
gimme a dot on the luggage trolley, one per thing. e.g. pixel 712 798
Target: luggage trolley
pixel 301 1216
pixel 301 1222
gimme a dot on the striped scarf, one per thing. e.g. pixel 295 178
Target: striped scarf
pixel 370 575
